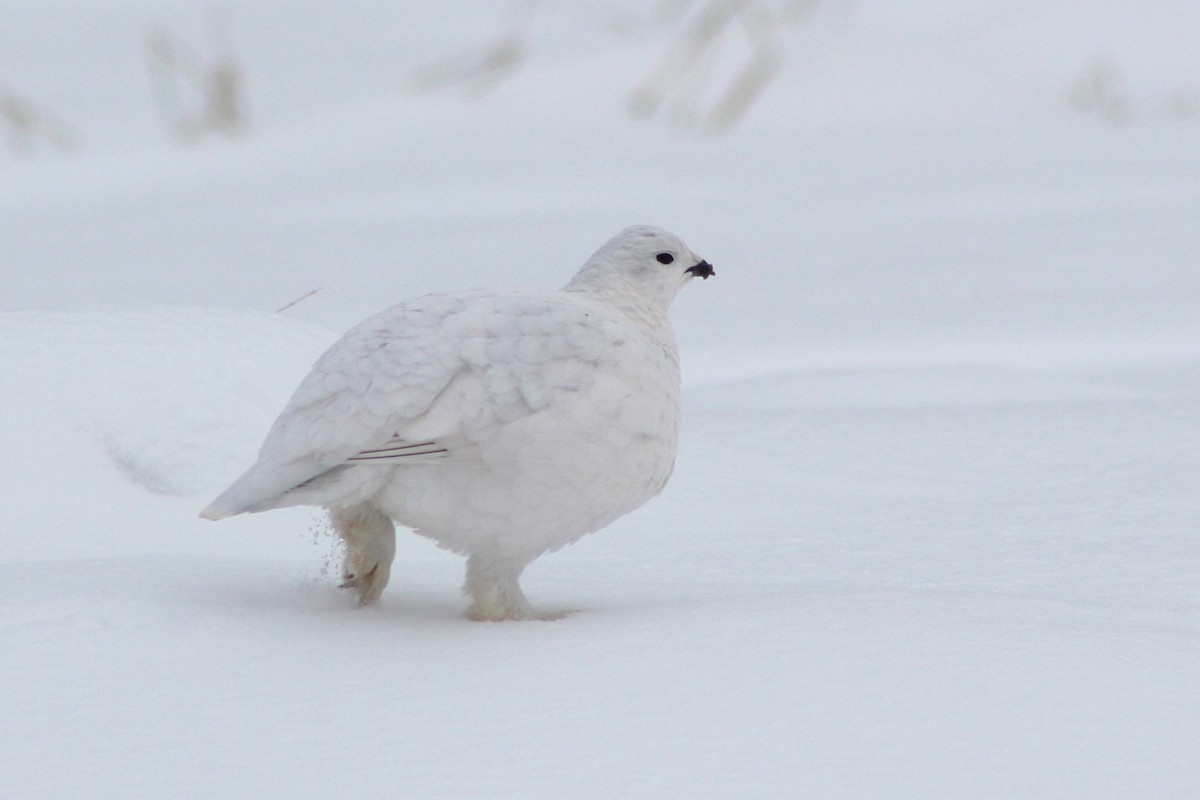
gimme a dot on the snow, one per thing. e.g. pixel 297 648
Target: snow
pixel 932 532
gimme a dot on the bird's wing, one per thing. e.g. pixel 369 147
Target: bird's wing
pixel 397 449
pixel 420 381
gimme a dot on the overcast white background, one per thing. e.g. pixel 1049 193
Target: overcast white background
pixel 933 527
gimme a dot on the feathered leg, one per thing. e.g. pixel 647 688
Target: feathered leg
pixel 370 539
pixel 493 584
pixel 494 588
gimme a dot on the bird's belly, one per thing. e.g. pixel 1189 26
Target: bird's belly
pixel 540 482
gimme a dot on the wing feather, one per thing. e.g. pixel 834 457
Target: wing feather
pixel 397 450
pixel 417 381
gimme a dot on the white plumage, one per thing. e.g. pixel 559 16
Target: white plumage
pixel 501 424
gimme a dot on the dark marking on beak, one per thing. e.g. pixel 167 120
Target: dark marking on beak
pixel 702 270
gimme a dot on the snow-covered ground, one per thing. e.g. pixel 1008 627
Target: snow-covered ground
pixel 933 531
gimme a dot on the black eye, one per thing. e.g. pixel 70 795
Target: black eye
pixel 665 258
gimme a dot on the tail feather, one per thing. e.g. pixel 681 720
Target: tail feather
pixel 261 488
pixel 214 511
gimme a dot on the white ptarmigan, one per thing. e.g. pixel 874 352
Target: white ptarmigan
pixel 501 424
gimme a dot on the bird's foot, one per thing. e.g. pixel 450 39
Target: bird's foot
pixel 495 591
pixel 368 583
pixel 370 542
pixel 479 612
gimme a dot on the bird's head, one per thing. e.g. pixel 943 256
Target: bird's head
pixel 642 261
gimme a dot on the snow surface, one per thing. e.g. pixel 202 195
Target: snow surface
pixel 933 529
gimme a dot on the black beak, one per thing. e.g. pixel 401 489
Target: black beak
pixel 702 270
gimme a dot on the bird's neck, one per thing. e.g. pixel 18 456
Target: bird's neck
pixel 648 314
